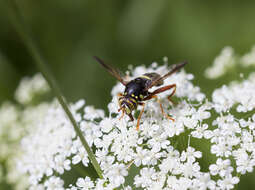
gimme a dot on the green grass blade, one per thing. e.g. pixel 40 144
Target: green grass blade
pixel 23 31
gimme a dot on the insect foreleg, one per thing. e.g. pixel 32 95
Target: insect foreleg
pixel 140 115
pixel 122 114
pixel 131 117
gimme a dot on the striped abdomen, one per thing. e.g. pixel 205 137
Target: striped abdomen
pixel 130 102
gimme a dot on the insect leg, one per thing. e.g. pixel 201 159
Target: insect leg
pixel 140 115
pixel 131 117
pixel 174 90
pixel 162 89
pixel 119 94
pixel 122 115
pixel 162 110
pixel 161 107
pixel 120 109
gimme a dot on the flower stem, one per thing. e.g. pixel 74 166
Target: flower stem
pixel 23 31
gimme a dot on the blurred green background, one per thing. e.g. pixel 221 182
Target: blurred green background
pixel 122 32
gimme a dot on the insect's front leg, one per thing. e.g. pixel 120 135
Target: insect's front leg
pixel 131 117
pixel 120 109
pixel 140 115
pixel 119 97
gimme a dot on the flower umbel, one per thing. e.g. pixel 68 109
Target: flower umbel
pixel 162 154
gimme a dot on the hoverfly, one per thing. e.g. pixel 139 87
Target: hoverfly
pixel 137 90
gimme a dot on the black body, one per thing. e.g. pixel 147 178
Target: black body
pixel 137 90
pixel 136 87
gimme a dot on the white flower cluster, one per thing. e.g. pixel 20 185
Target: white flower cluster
pixel 249 58
pixel 14 125
pixel 240 94
pixel 221 63
pixel 229 61
pixel 30 87
pixel 155 157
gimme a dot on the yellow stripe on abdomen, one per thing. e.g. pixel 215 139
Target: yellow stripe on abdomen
pixel 145 77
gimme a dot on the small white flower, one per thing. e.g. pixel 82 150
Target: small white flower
pixel 61 164
pixel 54 183
pixel 222 148
pixel 116 174
pixel 204 182
pixel 223 99
pixel 244 162
pixel 190 155
pixel 85 183
pixel 176 128
pixel 158 142
pixel 170 164
pixel 181 184
pixel 145 178
pixel 227 182
pixel 141 156
pixel 82 155
pixel 92 113
pixel 106 125
pixel 222 167
pixel 189 169
pixel 200 131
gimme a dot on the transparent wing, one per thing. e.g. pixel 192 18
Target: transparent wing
pixel 114 72
pixel 162 78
